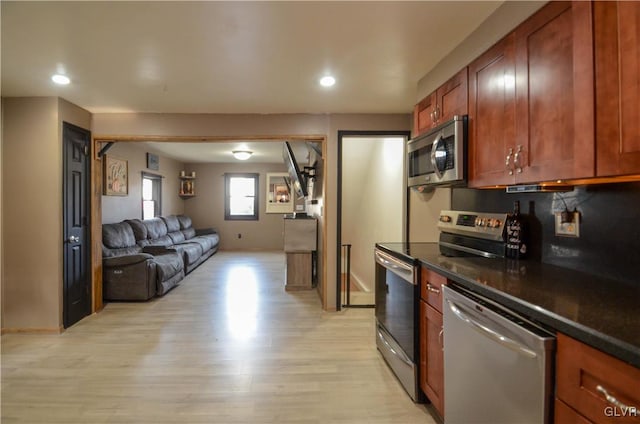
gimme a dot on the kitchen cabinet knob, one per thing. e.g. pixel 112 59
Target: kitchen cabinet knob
pixel 507 162
pixel 516 160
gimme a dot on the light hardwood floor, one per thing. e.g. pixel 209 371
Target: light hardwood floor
pixel 228 345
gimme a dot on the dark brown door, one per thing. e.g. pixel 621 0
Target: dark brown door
pixel 77 281
pixel 555 94
pixel 434 384
pixel 617 36
pixel 492 110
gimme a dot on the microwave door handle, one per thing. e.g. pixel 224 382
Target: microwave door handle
pixel 434 148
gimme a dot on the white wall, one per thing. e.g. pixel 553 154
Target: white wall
pixel 118 208
pixel 372 199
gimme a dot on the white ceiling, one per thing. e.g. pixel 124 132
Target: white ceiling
pixel 231 57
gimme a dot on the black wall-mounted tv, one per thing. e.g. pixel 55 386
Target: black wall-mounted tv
pixel 297 179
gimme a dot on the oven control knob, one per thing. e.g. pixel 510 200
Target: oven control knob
pixel 496 223
pixel 445 218
pixel 478 222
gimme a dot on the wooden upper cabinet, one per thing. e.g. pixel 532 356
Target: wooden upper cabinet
pixel 452 97
pixel 492 108
pixel 423 115
pixel 617 59
pixel 448 100
pixel 555 94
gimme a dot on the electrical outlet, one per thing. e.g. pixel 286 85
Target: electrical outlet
pixel 239 235
pixel 299 207
pixel 568 229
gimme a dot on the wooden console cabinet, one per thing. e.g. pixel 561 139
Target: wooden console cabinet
pixel 300 241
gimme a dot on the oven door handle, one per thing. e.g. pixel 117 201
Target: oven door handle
pixel 398 353
pixel 403 270
pixel 488 332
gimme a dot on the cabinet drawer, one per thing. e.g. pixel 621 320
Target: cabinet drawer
pixel 598 386
pixel 565 415
pixel 431 288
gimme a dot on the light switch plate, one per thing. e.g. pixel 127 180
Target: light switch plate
pixel 568 229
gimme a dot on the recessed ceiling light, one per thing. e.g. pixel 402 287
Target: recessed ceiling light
pixel 60 79
pixel 327 81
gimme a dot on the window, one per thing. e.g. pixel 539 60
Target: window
pixel 241 197
pixel 151 195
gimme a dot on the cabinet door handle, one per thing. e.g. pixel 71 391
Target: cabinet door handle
pixel 433 116
pixel 516 160
pixel 440 339
pixel 611 399
pixel 507 162
pixel 437 113
pixel 432 289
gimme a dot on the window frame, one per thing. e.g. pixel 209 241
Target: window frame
pixel 156 178
pixel 227 196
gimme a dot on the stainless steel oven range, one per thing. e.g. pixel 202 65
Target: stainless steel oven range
pixel 396 316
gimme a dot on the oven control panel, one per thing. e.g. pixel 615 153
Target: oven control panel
pixel 488 226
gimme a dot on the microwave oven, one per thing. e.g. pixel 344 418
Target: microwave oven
pixel 439 157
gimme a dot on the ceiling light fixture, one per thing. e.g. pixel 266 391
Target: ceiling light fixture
pixel 242 154
pixel 60 79
pixel 327 81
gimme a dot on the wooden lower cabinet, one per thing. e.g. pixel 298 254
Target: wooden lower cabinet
pixel 432 356
pixel 564 414
pixel 584 378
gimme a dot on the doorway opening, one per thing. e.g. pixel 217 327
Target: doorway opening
pixel 372 198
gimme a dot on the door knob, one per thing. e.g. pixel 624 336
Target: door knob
pixel 73 239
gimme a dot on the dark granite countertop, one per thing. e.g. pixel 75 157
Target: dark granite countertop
pixel 600 312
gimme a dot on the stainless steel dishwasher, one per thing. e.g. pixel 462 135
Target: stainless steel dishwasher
pixel 498 365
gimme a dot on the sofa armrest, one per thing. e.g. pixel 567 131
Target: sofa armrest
pixel 205 231
pixel 125 260
pixel 158 249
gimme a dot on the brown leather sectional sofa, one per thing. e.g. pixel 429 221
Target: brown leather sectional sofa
pixel 146 258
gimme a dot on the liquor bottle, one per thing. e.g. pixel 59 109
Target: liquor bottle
pixel 516 246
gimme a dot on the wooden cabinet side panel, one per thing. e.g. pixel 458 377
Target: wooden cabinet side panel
pixel 492 114
pixel 435 360
pixel 452 97
pixel 617 66
pixel 555 93
pixel 423 346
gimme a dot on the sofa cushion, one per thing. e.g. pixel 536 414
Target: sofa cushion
pixel 156 228
pixel 123 251
pixel 139 229
pixel 172 223
pixel 185 222
pixel 161 241
pixel 115 236
pixel 190 251
pixel 189 233
pixel 168 265
pixel 176 236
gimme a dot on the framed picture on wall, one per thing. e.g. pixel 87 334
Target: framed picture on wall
pixel 153 161
pixel 115 176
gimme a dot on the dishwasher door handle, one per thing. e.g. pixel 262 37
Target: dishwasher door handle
pixel 492 334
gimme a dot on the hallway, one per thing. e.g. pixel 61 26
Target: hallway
pixel 228 345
